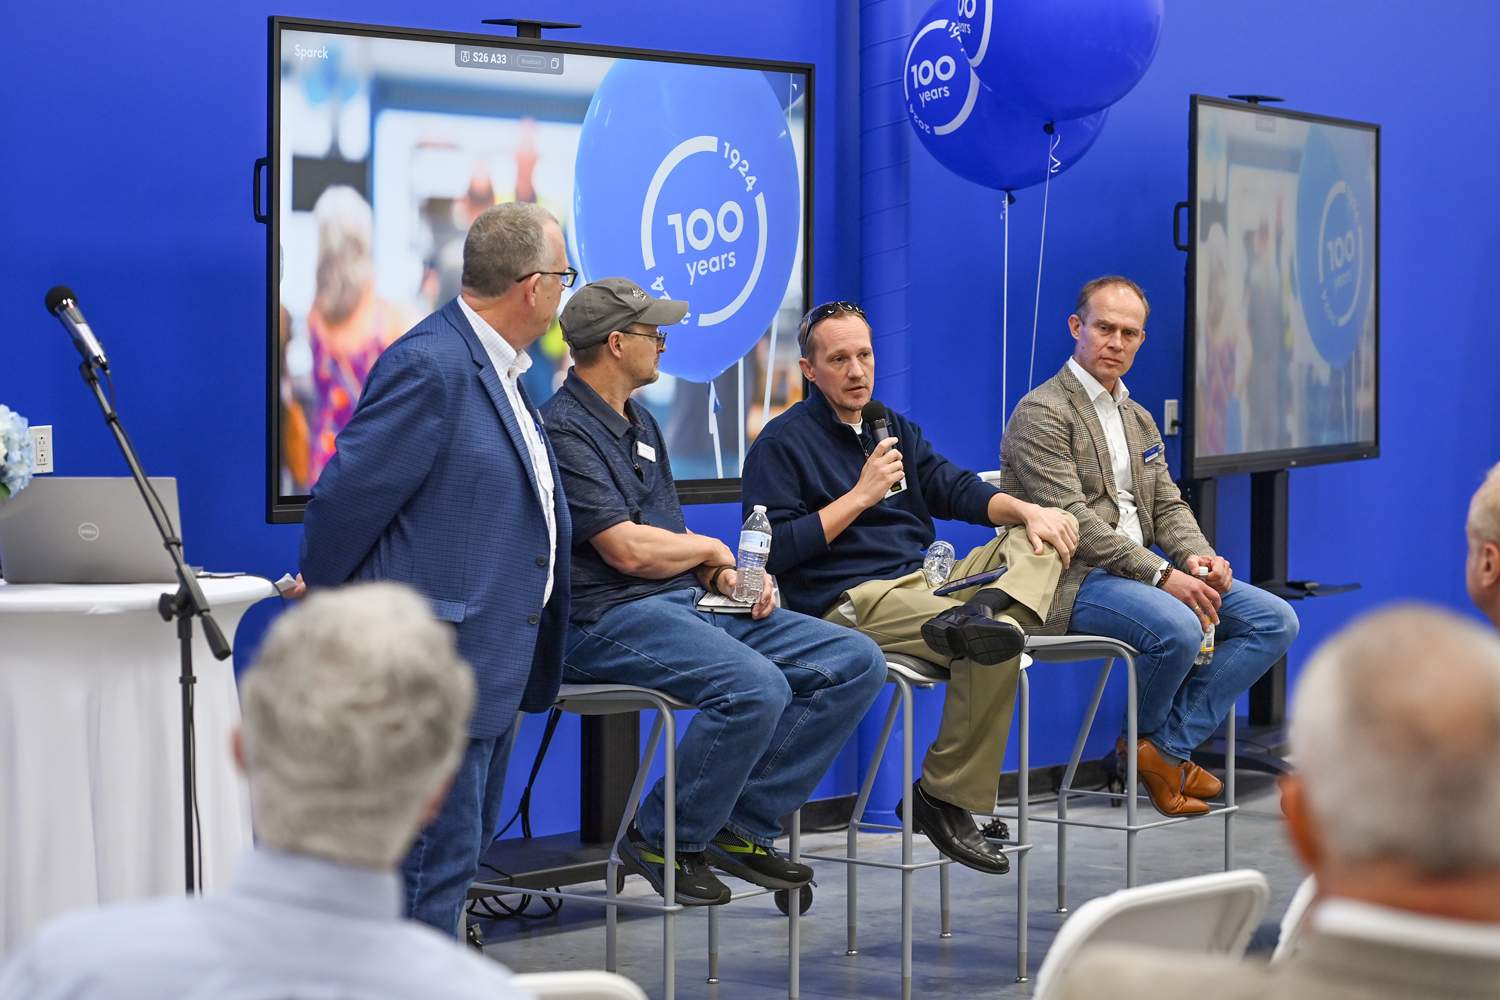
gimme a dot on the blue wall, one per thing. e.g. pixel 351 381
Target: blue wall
pixel 127 175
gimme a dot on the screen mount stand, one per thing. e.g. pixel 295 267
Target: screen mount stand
pixel 1262 746
pixel 526 28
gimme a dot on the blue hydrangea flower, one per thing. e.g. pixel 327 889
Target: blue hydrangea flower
pixel 16 460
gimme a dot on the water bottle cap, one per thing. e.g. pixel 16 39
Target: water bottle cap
pixel 760 507
pixel 1202 571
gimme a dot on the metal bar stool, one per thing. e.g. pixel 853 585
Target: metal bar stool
pixel 1072 648
pixel 613 699
pixel 908 673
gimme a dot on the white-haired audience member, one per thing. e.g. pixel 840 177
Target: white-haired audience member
pixel 355 715
pixel 1395 808
pixel 1482 572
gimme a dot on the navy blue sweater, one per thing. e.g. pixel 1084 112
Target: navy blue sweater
pixel 805 459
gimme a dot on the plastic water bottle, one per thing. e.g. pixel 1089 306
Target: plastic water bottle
pixel 1206 649
pixel 938 564
pixel 755 548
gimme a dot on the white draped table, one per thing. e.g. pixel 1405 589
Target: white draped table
pixel 91 748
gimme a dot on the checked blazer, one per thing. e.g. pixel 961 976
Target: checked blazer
pixel 1054 453
pixel 432 486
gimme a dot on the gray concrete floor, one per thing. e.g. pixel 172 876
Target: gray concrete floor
pixel 979 960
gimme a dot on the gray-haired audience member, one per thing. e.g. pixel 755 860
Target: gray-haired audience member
pixel 354 719
pixel 1482 571
pixel 1395 808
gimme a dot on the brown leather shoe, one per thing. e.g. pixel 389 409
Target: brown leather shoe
pixel 1199 783
pixel 1163 783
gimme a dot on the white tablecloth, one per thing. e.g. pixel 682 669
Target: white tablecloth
pixel 91 748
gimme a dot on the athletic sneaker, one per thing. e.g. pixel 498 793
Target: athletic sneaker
pixel 694 884
pixel 764 866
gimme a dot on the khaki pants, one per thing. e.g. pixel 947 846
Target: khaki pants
pixel 963 764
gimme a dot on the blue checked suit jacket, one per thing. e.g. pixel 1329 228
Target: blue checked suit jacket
pixel 431 486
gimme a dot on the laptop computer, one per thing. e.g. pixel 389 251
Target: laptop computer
pixel 64 529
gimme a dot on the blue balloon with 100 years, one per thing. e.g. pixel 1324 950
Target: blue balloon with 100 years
pixel 686 181
pixel 970 128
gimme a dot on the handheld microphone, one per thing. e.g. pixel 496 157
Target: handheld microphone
pixel 878 418
pixel 62 303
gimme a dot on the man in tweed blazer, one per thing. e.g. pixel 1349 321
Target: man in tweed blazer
pixel 444 480
pixel 1079 442
pixel 1395 722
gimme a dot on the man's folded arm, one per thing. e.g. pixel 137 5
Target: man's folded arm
pixel 601 518
pixel 1038 449
pixel 653 553
pixel 383 455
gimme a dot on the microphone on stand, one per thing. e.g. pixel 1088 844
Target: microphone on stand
pixel 878 418
pixel 62 303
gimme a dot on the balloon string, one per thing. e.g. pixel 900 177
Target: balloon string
pixel 713 429
pixel 1004 305
pixel 1053 166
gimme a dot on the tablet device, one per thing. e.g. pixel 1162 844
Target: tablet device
pixel 969 581
pixel 719 604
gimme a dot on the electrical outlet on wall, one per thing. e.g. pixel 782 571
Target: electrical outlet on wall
pixel 41 448
pixel 1169 423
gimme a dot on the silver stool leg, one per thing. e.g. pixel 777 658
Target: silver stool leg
pixel 945 922
pixel 1023 798
pixel 713 946
pixel 1131 737
pixel 860 804
pixel 793 916
pixel 1229 793
pixel 669 880
pixel 1067 783
pixel 612 869
pixel 905 691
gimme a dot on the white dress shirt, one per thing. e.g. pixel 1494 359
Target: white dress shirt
pixel 510 365
pixel 289 926
pixel 1108 408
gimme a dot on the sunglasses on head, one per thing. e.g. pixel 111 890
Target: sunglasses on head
pixel 827 310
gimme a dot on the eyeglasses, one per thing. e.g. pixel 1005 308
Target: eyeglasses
pixel 658 336
pixel 566 277
pixel 827 310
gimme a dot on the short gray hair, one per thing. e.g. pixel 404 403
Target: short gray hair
pixel 355 714
pixel 1484 508
pixel 1396 734
pixel 504 243
pixel 345 265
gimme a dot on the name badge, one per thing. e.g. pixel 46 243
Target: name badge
pixel 1152 452
pixel 645 451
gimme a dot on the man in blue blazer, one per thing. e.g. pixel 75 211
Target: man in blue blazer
pixel 444 480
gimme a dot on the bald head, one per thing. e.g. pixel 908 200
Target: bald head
pixel 1482 567
pixel 1396 735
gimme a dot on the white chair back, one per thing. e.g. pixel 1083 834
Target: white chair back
pixel 1295 918
pixel 578 985
pixel 1207 914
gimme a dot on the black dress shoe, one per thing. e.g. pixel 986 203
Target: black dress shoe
pixel 968 632
pixel 952 831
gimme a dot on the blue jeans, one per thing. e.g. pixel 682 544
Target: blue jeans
pixel 445 857
pixel 1179 707
pixel 777 699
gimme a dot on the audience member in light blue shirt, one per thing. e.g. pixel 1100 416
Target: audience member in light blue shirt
pixel 355 716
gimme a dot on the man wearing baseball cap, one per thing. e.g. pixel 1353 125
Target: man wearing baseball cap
pixel 778 693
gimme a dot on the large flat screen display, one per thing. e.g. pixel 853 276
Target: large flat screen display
pixel 689 174
pixel 1283 297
